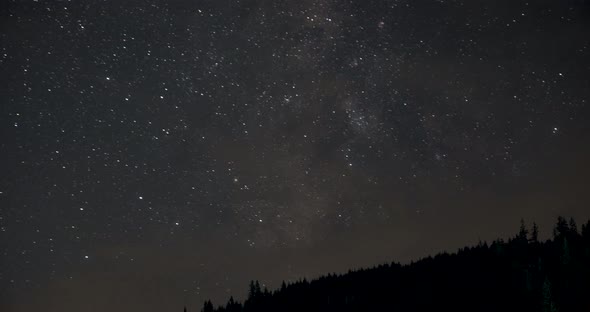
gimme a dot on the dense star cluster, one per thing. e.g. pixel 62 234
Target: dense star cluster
pixel 155 154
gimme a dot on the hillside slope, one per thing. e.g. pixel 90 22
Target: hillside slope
pixel 522 274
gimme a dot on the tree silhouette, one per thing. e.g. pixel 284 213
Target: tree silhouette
pixel 208 306
pixel 572 226
pixel 548 303
pixel 586 231
pixel 561 228
pixel 503 276
pixel 233 306
pixel 535 233
pixel 523 232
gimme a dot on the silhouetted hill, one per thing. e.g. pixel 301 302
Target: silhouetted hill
pixel 521 274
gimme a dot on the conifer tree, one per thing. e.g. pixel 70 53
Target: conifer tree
pixel 535 233
pixel 586 231
pixel 561 228
pixel 548 303
pixel 283 286
pixel 573 227
pixel 208 306
pixel 523 232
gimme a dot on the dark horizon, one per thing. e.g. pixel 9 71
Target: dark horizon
pixel 522 273
pixel 158 153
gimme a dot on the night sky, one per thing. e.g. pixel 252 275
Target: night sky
pixel 155 154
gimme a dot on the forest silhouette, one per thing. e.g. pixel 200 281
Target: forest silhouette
pixel 521 274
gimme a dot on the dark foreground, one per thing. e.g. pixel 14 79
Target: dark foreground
pixel 522 274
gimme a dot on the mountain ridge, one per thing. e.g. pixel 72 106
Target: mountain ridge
pixel 521 274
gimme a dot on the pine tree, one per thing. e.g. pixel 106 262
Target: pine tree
pixel 535 233
pixel 523 232
pixel 208 306
pixel 573 227
pixel 257 289
pixel 254 290
pixel 565 256
pixel 561 228
pixel 586 230
pixel 548 303
pixel 232 305
pixel 283 286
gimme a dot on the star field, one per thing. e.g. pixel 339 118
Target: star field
pixel 155 154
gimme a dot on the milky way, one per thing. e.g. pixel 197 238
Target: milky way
pixel 158 153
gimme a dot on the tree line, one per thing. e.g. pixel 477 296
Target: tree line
pixel 521 274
